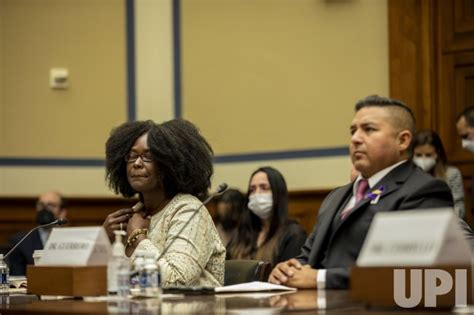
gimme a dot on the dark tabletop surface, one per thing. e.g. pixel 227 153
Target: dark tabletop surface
pixel 300 302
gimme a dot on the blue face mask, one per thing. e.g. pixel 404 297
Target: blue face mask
pixel 261 205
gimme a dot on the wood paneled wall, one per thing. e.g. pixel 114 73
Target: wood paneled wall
pixel 432 69
pixel 18 213
pixel 431 45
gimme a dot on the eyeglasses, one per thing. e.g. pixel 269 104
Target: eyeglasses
pixel 132 157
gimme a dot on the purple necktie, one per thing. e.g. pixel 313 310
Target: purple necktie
pixel 362 187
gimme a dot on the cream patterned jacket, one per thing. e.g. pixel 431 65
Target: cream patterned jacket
pixel 197 256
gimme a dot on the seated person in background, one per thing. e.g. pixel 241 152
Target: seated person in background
pixel 229 207
pixel 49 207
pixel 381 134
pixel 465 128
pixel 169 166
pixel 429 154
pixel 265 232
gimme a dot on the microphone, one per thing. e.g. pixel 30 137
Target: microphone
pixel 219 190
pixel 58 222
pixel 137 207
pixel 55 222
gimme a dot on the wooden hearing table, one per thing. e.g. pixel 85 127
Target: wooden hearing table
pixel 300 302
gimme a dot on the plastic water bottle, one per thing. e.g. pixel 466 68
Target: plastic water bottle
pixel 138 280
pixel 123 279
pixel 5 276
pixel 118 268
pixel 152 272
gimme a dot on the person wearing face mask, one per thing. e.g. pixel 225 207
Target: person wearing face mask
pixel 229 207
pixel 465 128
pixel 265 232
pixel 430 156
pixel 49 207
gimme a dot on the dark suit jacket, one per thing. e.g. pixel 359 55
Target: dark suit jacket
pixel 23 254
pixel 334 244
pixel 290 243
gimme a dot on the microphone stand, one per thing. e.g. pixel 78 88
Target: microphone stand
pixel 220 189
pixel 55 222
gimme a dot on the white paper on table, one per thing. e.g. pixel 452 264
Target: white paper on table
pixel 254 286
pixel 252 295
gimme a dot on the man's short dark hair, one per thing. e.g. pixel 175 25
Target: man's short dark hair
pixel 468 114
pixel 403 116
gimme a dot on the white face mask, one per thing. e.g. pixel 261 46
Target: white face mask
pixel 261 205
pixel 426 163
pixel 468 144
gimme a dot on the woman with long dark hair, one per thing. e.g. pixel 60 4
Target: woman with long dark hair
pixel 429 154
pixel 229 207
pixel 265 232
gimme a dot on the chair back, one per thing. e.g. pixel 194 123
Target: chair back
pixel 245 270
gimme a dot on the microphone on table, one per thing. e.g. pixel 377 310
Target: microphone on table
pixel 219 190
pixel 55 222
pixel 138 207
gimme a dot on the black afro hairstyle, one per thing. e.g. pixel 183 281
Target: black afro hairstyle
pixel 182 156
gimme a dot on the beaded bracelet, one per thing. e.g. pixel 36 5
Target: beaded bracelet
pixel 134 235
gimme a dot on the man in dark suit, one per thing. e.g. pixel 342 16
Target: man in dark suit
pixel 381 136
pixel 49 207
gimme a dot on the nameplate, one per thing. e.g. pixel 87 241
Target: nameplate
pixel 415 238
pixel 76 246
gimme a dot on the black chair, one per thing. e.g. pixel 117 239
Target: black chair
pixel 245 270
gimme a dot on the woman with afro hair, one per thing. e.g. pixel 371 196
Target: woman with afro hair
pixel 169 166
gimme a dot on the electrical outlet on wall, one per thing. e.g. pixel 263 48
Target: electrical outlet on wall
pixel 59 78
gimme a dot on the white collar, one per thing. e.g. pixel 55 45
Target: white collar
pixel 374 179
